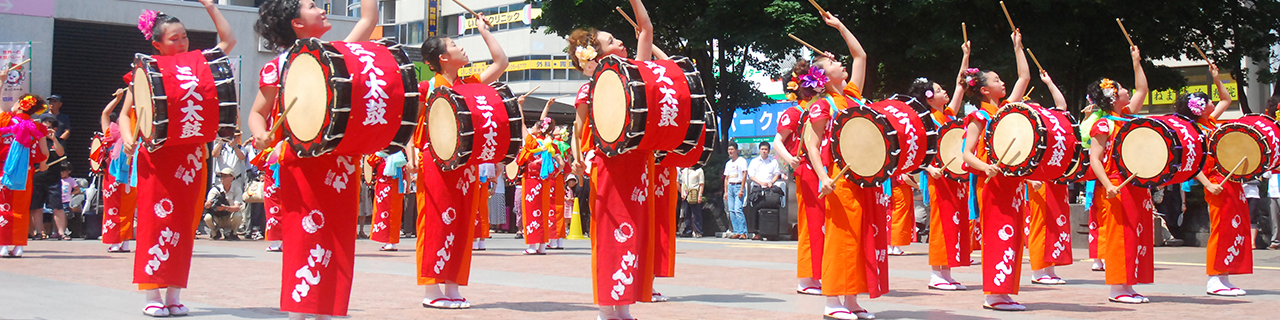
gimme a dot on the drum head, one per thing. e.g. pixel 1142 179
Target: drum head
pixel 608 106
pixel 1144 152
pixel 1238 147
pixel 143 105
pixel 305 92
pixel 513 171
pixel 1009 127
pixel 862 146
pixel 442 128
pixel 951 151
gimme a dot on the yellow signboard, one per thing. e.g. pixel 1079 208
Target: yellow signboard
pixel 505 18
pixel 1169 96
pixel 479 67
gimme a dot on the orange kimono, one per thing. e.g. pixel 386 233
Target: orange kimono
pixel 1124 222
pixel 1048 228
pixel 902 222
pixel 949 229
pixel 854 249
pixel 432 267
pixel 536 200
pixel 482 210
pixel 1229 235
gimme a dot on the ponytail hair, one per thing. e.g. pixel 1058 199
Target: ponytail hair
pixel 431 51
pixel 1192 105
pixel 921 90
pixel 973 80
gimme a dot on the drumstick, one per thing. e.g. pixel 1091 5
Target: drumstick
pixel 807 45
pixel 29 60
pixel 948 164
pixel 1006 16
pixel 815 5
pixel 1033 58
pixel 1126 32
pixel 276 126
pixel 57 161
pixel 1206 58
pixel 625 16
pixel 1028 94
pixel 1005 153
pixel 1233 170
pixel 964 30
pixel 526 94
pixel 464 7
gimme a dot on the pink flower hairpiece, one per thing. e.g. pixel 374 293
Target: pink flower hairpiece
pixel 815 79
pixel 146 22
pixel 1196 104
pixel 971 77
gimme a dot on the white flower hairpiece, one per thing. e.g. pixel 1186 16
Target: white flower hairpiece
pixel 585 53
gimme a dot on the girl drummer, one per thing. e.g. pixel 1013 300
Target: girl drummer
pixel 446 58
pixel 999 197
pixel 1224 197
pixel 1129 263
pixel 1045 201
pixel 789 148
pixel 614 179
pixel 18 127
pixel 156 186
pixel 948 245
pixel 318 261
pixel 852 212
pixel 122 199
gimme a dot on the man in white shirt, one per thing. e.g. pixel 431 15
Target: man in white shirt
pixel 763 172
pixel 735 172
pixel 691 182
pixel 1273 201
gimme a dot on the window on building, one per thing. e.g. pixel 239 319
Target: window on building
pixel 449 26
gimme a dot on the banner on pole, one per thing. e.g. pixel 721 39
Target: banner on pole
pixel 16 82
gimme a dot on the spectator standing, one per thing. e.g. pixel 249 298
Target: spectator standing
pixel 221 205
pixel 1257 210
pixel 1273 202
pixel 735 173
pixel 763 172
pixel 691 183
pixel 228 154
pixel 63 130
pixel 47 188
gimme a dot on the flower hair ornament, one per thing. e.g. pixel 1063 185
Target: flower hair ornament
pixel 1108 88
pixel 26 103
pixel 146 22
pixel 585 53
pixel 815 79
pixel 928 94
pixel 1196 103
pixel 971 77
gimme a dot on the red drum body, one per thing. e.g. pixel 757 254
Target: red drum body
pixel 472 124
pixel 185 98
pixel 1241 151
pixel 361 92
pixel 883 139
pixel 1147 149
pixel 1190 143
pixel 1270 131
pixel 950 146
pixel 648 105
pixel 1036 143
pixel 701 152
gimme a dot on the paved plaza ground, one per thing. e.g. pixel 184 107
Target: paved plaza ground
pixel 716 279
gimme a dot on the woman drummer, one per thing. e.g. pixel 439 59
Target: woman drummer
pixel 615 215
pixel 169 37
pixel 20 164
pixel 948 203
pixel 1046 199
pixel 790 150
pixel 852 212
pixel 313 191
pixel 446 58
pixel 1118 204
pixel 999 197
pixel 540 158
pixel 122 198
pixel 1224 197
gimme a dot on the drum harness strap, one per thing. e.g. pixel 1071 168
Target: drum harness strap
pixel 973 187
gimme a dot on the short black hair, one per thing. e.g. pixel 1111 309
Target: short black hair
pixel 765 144
pixel 431 51
pixel 733 144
